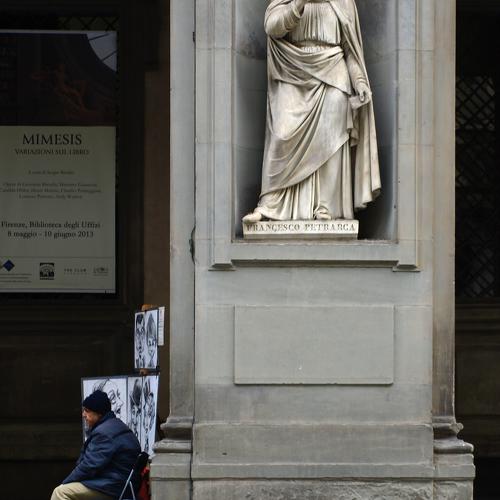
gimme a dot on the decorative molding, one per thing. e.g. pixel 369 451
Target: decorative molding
pixel 446 441
pixel 180 428
pixel 173 446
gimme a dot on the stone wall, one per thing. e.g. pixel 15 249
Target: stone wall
pixel 313 361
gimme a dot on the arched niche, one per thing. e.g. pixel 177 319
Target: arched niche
pixel 379 27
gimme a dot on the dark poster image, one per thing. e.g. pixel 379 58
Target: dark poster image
pixel 58 79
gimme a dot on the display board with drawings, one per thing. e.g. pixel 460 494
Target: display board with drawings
pixel 148 335
pixel 142 399
pixel 134 399
pixel 114 387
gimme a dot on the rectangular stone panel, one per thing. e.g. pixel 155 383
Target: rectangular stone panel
pixel 352 345
pixel 313 490
pixel 287 449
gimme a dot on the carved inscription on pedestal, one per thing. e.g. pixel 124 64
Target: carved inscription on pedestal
pixel 297 229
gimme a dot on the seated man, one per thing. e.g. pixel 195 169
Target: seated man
pixel 107 456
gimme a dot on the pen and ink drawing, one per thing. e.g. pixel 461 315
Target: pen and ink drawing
pixel 151 323
pixel 135 405
pixel 139 341
pixel 150 403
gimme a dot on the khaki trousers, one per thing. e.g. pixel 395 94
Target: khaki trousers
pixel 77 491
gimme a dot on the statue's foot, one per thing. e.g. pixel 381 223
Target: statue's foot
pixel 252 218
pixel 323 215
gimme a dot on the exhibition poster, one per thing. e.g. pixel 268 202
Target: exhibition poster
pixel 57 161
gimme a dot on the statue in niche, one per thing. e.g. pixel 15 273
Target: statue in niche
pixel 319 115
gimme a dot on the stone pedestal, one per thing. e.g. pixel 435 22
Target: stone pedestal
pixel 301 229
pixel 170 476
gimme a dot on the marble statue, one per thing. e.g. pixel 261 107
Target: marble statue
pixel 320 156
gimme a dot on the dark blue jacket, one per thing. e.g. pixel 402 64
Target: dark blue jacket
pixel 107 456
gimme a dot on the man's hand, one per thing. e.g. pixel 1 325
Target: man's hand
pixel 364 92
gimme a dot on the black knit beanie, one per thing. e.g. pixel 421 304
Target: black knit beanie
pixel 98 401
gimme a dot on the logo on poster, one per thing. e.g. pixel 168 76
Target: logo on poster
pixel 47 270
pixel 8 265
pixel 101 271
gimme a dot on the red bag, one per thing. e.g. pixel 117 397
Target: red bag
pixel 144 492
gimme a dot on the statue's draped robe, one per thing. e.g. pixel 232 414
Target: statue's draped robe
pixel 314 60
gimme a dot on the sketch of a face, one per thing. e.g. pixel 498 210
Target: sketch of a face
pixel 114 395
pixel 149 412
pixel 135 408
pixel 149 407
pixel 151 341
pixel 139 335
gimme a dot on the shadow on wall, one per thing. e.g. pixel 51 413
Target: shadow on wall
pixel 378 23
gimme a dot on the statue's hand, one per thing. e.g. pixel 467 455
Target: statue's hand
pixel 364 92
